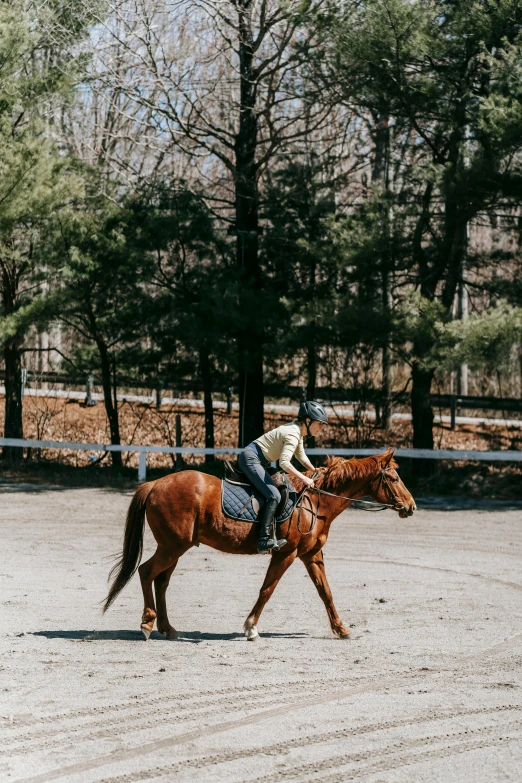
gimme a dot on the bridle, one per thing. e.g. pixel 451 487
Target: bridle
pixel 398 506
pixel 372 504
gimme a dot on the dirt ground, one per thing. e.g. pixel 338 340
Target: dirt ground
pixel 428 689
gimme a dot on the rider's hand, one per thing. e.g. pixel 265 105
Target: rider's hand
pixel 308 481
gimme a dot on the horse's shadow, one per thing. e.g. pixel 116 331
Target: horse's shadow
pixel 192 637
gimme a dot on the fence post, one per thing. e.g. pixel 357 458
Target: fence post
pixel 179 458
pixel 453 409
pixel 159 392
pixel 229 400
pixel 142 467
pixel 89 402
pixel 303 393
pixel 23 381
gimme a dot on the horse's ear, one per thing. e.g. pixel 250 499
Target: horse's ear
pixel 388 456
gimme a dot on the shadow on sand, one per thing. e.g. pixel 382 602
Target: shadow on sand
pixel 466 504
pixel 194 637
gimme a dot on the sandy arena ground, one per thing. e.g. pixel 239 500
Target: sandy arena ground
pixel 429 688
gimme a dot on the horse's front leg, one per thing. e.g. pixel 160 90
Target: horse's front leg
pixel 315 566
pixel 278 565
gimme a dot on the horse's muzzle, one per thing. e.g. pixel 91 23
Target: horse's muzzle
pixel 407 511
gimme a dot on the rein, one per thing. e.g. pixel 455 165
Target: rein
pixel 396 505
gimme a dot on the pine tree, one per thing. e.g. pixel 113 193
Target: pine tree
pixel 449 75
pixel 37 69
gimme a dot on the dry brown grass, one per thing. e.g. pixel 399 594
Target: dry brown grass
pixel 51 418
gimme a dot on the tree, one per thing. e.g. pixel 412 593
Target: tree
pixel 36 67
pixel 448 73
pixel 101 296
pixel 298 200
pixel 191 283
pixel 230 105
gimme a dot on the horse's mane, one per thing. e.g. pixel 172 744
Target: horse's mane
pixel 338 471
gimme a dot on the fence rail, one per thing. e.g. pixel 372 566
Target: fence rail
pixel 328 394
pixel 445 454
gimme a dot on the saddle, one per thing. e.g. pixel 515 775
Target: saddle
pixel 240 500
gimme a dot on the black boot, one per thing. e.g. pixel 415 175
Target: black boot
pixel 266 521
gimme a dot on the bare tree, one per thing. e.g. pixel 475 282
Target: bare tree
pixel 221 82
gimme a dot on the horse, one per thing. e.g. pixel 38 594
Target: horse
pixel 184 510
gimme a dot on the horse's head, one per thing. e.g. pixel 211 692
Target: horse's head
pixel 387 486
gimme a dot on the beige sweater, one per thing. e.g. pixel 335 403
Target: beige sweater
pixel 282 444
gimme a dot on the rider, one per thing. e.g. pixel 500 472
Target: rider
pixel 280 444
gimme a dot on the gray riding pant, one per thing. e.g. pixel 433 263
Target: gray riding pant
pixel 253 464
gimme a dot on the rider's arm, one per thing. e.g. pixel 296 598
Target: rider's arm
pixel 300 455
pixel 290 448
pixel 290 469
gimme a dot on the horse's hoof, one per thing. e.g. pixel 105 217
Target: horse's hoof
pixel 343 633
pixel 146 631
pixel 250 631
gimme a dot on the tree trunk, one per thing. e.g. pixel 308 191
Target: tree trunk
pixel 463 313
pixel 381 177
pixel 250 338
pixel 311 362
pixel 452 256
pixel 206 377
pixel 387 363
pixel 311 354
pixel 110 407
pixel 387 381
pixel 13 427
pixel 382 149
pixel 421 410
pixel 13 401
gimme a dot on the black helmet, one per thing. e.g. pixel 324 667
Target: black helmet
pixel 312 410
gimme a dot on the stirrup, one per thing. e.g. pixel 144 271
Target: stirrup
pixel 268 546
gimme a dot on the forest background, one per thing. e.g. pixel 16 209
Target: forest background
pixel 262 195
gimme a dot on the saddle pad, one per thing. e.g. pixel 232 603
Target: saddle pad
pixel 237 503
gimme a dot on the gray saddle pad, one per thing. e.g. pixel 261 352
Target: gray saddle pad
pixel 238 503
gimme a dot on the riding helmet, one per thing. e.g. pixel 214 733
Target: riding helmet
pixel 312 410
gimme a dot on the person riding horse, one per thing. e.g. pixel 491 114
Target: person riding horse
pixel 281 443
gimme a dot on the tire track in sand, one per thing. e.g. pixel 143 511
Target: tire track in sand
pixel 302 742
pixel 206 731
pixel 185 700
pixel 400 750
pixel 282 709
pixel 148 716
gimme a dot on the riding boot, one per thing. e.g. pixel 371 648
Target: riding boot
pixel 266 521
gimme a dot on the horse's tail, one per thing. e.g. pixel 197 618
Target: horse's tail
pixel 132 544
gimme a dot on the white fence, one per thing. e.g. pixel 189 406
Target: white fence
pixel 339 408
pixel 449 454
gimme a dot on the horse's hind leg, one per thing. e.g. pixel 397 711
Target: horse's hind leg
pixel 278 565
pixel 161 584
pixel 160 561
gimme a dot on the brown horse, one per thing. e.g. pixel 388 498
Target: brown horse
pixel 184 510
